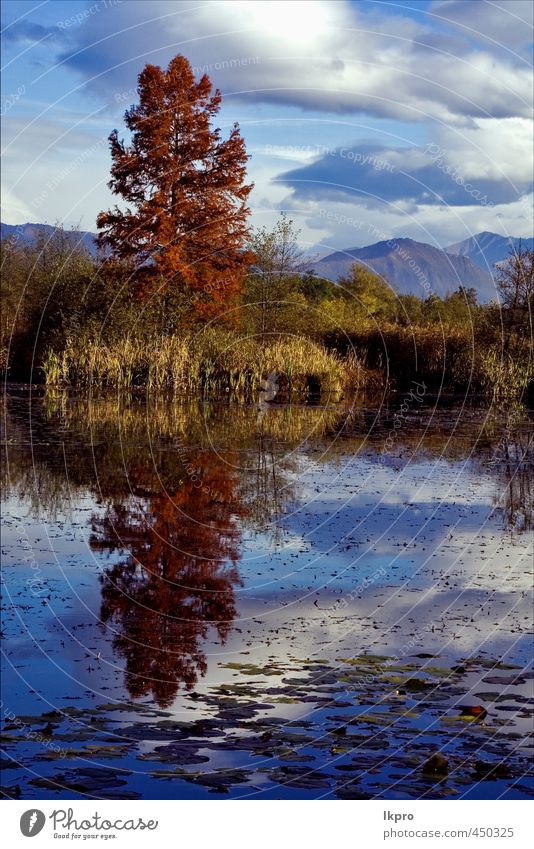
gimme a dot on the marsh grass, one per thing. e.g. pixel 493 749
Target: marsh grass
pixel 444 358
pixel 209 362
pixel 215 361
pixel 505 378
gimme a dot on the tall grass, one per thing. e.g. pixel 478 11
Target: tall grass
pixel 208 362
pixel 444 358
pixel 505 378
pixel 215 361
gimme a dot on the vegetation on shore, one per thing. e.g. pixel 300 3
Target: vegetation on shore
pixel 211 361
pixel 70 320
pixel 184 297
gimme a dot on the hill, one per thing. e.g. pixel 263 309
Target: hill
pixel 27 234
pixel 412 268
pixel 487 249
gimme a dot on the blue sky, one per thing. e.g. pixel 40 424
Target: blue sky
pixel 361 118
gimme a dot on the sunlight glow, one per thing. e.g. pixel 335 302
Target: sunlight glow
pixel 299 21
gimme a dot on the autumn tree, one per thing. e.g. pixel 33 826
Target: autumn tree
pixel 184 227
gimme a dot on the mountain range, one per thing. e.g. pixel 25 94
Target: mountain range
pixel 411 267
pixel 417 268
pixel 489 249
pixel 27 234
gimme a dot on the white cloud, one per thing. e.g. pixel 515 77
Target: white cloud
pixel 14 209
pixel 333 58
pixel 53 172
pixel 332 226
pixel 318 56
pixel 506 24
pixel 492 149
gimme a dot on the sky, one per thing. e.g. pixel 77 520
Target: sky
pixel 363 120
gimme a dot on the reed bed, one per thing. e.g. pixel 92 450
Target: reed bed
pixel 206 363
pixel 441 358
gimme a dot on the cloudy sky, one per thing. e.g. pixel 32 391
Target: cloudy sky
pixel 363 120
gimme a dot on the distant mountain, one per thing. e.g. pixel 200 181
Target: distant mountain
pixel 488 249
pixel 412 268
pixel 27 234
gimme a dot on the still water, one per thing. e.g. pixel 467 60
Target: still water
pixel 205 599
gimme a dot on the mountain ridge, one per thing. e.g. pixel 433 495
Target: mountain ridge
pixel 28 232
pixel 411 267
pixel 488 249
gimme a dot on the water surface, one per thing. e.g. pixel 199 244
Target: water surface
pixel 205 598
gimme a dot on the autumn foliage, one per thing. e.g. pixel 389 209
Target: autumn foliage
pixel 185 225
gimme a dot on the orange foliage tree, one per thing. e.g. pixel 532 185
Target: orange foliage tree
pixel 185 225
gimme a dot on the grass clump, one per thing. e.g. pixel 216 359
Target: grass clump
pixel 206 362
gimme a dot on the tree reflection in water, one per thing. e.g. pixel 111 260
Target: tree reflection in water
pixel 173 511
pixel 173 505
pixel 178 578
pixel 514 462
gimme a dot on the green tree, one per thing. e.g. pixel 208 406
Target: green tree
pixel 372 296
pixel 433 310
pixel 410 311
pixel 273 302
pixel 316 289
pixel 460 309
pixel 44 291
pixel 469 295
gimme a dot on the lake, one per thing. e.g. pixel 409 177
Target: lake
pixel 203 599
